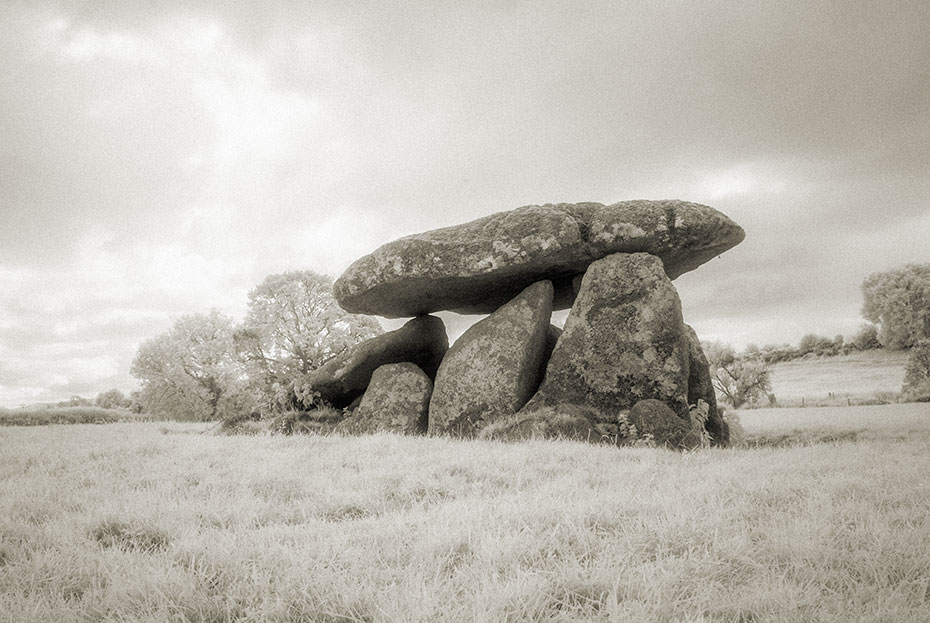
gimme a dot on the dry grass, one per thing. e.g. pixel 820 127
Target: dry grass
pixel 866 377
pixel 155 522
pixel 44 416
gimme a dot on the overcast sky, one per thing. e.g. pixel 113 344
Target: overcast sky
pixel 157 161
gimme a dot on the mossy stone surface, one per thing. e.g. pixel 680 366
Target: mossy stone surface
pixel 655 418
pixel 623 342
pixel 476 267
pixel 421 341
pixel 495 366
pixel 397 400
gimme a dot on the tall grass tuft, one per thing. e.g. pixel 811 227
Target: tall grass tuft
pixel 130 536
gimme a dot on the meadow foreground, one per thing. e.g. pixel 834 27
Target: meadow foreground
pixel 825 519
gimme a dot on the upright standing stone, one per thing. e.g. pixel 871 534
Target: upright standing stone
pixel 397 400
pixel 623 342
pixel 495 366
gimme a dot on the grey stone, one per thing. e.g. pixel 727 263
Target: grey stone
pixel 476 267
pixel 421 341
pixel 623 342
pixel 397 400
pixel 495 366
pixel 655 418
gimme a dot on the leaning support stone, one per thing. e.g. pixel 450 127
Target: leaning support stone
pixel 421 341
pixel 654 418
pixel 495 366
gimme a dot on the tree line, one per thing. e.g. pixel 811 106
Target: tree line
pixel 208 367
pixel 897 308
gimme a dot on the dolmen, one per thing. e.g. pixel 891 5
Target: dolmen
pixel 624 368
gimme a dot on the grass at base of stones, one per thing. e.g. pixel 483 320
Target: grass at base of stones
pixel 147 522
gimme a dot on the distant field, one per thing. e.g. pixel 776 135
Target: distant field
pixel 851 379
pixel 826 518
pixel 65 415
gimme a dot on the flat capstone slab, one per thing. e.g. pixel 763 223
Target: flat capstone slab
pixel 476 267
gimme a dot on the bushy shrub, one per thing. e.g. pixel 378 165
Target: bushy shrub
pixel 740 380
pixel 112 399
pixel 777 353
pixel 61 415
pixel 917 373
pixel 820 346
pixel 866 338
pixel 899 301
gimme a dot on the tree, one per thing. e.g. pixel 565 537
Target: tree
pixel 293 326
pixel 917 372
pixel 112 399
pixel 899 301
pixel 866 338
pixel 75 401
pixel 819 345
pixel 191 372
pixel 739 380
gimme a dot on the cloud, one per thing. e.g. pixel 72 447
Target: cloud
pixel 160 159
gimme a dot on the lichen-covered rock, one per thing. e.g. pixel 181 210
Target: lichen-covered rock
pixel 655 418
pixel 495 366
pixel 478 266
pixel 623 342
pixel 700 387
pixel 421 341
pixel 397 400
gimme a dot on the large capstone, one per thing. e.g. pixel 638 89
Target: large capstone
pixel 421 341
pixel 623 342
pixel 476 267
pixel 397 400
pixel 495 366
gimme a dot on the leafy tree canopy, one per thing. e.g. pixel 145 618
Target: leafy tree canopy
pixel 112 399
pixel 293 326
pixel 899 301
pixel 191 372
pixel 739 379
pixel 917 372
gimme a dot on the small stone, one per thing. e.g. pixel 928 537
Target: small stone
pixel 655 418
pixel 565 422
pixel 397 400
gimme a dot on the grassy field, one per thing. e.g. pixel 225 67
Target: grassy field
pixel 873 376
pixel 827 521
pixel 65 415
